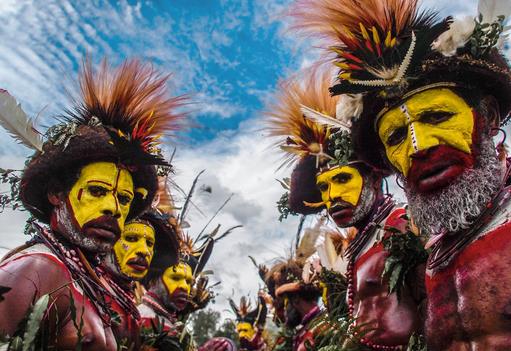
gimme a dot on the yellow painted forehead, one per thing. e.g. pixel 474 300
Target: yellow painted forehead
pixel 331 173
pixel 181 269
pixel 139 228
pixel 243 325
pixel 108 174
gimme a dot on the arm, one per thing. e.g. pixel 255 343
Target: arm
pixel 30 277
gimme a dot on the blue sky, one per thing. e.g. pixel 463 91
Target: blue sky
pixel 228 53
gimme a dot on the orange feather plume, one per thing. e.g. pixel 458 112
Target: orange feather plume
pixel 132 98
pixel 348 19
pixel 299 136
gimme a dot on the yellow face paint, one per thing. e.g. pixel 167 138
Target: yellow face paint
pixel 102 188
pixel 343 183
pixel 245 330
pixel 324 293
pixel 178 276
pixel 136 243
pixel 430 118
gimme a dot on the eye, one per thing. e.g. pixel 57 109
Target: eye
pixel 97 191
pixel 150 243
pixel 124 199
pixel 435 117
pixel 322 187
pixel 342 178
pixel 131 238
pixel 397 136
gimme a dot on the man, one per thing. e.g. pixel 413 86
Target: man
pixel 250 324
pixel 93 172
pixel 300 301
pixel 330 176
pixel 129 262
pixel 432 121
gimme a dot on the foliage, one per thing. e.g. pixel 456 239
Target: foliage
pixel 11 198
pixel 417 343
pixel 485 36
pixel 283 207
pixel 339 146
pixel 406 252
pixel 284 339
pixel 228 330
pixel 204 324
pixel 156 337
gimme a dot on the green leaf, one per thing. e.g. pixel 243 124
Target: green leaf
pixel 34 322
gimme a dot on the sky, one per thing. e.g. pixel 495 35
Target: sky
pixel 228 55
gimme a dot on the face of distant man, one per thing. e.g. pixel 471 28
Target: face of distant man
pixel 245 331
pixel 347 195
pixel 134 250
pixel 93 213
pixel 178 281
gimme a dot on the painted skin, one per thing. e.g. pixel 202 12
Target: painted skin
pixel 178 281
pixel 102 189
pixel 340 189
pixel 134 250
pixel 428 138
pixel 245 330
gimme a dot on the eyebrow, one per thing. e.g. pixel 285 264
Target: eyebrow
pixel 128 191
pixel 98 181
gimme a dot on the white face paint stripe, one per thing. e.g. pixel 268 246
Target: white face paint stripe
pixel 415 145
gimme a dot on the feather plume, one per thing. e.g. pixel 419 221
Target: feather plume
pixel 306 248
pixel 16 122
pixel 323 119
pixel 297 135
pixel 132 99
pixel 491 9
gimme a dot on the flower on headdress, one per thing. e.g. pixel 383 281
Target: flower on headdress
pixel 455 37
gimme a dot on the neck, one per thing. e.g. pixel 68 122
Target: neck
pixel 379 199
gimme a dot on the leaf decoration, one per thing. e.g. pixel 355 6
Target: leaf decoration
pixel 406 252
pixel 34 322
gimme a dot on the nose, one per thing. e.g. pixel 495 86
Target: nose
pixel 111 206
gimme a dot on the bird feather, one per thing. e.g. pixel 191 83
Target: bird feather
pixel 323 119
pixel 16 122
pixel 491 9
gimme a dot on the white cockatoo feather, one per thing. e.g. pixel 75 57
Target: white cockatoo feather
pixel 16 122
pixel 323 119
pixel 491 9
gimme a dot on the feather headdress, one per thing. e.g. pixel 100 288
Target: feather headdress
pixel 375 41
pixel 131 102
pixel 302 95
pixel 246 314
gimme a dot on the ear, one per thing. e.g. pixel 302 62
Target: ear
pixel 490 107
pixel 55 199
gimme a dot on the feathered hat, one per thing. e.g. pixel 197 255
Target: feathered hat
pixel 245 314
pixel 120 116
pixel 388 50
pixel 313 133
pixel 293 275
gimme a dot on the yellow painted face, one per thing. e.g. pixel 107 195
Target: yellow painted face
pixel 178 276
pixel 343 183
pixel 134 250
pixel 430 118
pixel 102 188
pixel 245 330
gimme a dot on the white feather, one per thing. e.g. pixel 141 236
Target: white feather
pixel 17 123
pixel 349 106
pixel 323 119
pixel 491 9
pixel 455 37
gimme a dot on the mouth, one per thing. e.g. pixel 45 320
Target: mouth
pixel 341 212
pixel 104 231
pixel 138 265
pixel 438 176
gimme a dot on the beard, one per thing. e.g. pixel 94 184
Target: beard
pixel 160 290
pixel 293 317
pixel 456 206
pixel 366 203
